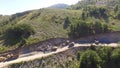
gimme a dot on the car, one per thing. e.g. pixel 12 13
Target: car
pixel 3 59
pixel 96 42
pixel 9 55
pixel 71 45
pixel 54 48
pixel 67 42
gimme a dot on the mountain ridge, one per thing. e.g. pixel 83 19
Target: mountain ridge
pixel 59 6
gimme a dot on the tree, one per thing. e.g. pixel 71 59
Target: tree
pixel 90 59
pixel 79 29
pixel 105 55
pixel 78 55
pixel 83 16
pixel 100 12
pixel 83 29
pixel 66 23
pixel 20 31
pixel 116 58
pixel 118 15
pixel 97 27
pixel 116 8
pixel 105 28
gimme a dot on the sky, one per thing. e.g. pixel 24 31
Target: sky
pixel 8 7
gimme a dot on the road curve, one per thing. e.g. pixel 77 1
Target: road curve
pixel 40 54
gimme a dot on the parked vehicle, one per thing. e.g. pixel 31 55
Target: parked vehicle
pixel 67 42
pixel 71 45
pixel 9 55
pixel 96 42
pixel 3 59
pixel 54 48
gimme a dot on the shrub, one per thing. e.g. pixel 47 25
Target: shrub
pixel 90 59
pixel 18 33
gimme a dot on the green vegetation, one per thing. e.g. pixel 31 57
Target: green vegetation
pixel 107 3
pixel 18 33
pixel 116 58
pixel 90 59
pixel 99 12
pixel 81 29
pixel 118 15
pixel 101 57
pixel 105 54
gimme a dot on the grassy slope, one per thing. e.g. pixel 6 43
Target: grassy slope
pixel 48 23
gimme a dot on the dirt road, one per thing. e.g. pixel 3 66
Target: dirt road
pixel 40 54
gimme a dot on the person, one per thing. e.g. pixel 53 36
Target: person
pixel 67 42
pixel 44 51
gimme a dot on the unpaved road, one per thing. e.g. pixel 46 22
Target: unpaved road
pixel 40 55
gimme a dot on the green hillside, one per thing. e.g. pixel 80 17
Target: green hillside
pixel 84 18
pixel 83 3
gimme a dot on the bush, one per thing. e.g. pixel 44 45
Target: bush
pixel 18 33
pixel 90 59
